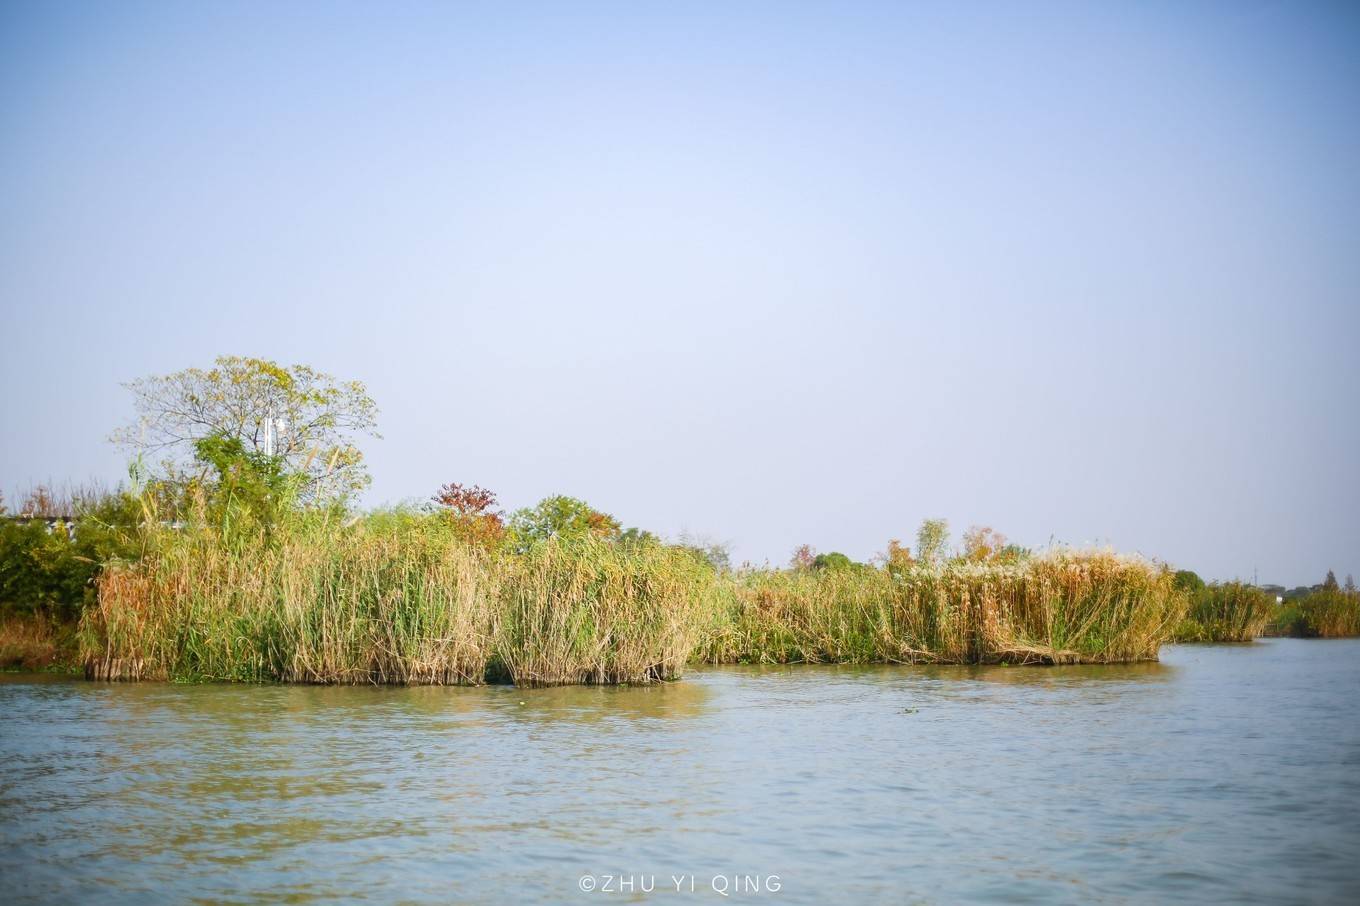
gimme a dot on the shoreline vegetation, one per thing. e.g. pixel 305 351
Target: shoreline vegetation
pixel 1222 612
pixel 243 559
pixel 410 602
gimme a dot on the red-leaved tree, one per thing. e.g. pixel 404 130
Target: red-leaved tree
pixel 469 509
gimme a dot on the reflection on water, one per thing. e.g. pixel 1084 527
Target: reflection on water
pixel 1224 772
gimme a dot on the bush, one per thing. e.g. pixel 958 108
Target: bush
pixel 51 570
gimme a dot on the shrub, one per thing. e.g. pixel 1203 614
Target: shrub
pixel 50 570
pixel 35 642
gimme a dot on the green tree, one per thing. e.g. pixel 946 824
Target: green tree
pixel 1187 580
pixel 248 490
pixel 932 540
pixel 561 517
pixel 306 418
pixel 636 536
pixel 833 560
pixel 716 554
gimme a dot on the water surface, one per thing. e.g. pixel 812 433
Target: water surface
pixel 1222 773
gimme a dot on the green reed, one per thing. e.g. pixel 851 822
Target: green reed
pixel 1324 614
pixel 1226 612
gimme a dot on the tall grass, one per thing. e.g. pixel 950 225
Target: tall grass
pixel 1324 614
pixel 37 642
pixel 593 612
pixel 357 605
pixel 1061 607
pixel 398 601
pixel 1226 612
pixel 404 600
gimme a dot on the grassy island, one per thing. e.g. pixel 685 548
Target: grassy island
pixel 242 557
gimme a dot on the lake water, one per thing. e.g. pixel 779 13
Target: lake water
pixel 1224 773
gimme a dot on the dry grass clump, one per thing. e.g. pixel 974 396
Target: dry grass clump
pixel 34 642
pixel 1060 607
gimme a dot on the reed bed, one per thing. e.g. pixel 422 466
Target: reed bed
pixel 1226 612
pixel 593 612
pixel 408 602
pixel 1061 607
pixel 1325 614
pixel 403 604
pixel 348 606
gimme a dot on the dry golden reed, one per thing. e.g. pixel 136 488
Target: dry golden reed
pixel 1060 607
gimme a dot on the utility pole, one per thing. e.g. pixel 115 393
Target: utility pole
pixel 269 431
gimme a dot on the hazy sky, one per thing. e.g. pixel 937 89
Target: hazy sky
pixel 775 272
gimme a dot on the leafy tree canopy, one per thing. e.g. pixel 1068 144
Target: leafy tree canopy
pixel 1187 580
pixel 715 553
pixel 470 511
pixel 306 418
pixel 561 517
pixel 932 540
pixel 247 485
pixel 832 560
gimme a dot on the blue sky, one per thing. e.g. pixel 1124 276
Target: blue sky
pixel 774 272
